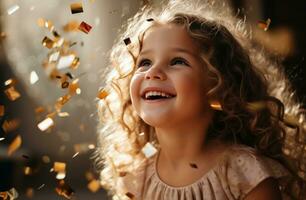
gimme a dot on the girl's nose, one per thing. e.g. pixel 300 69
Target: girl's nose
pixel 155 73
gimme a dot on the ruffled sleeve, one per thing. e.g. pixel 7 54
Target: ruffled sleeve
pixel 246 169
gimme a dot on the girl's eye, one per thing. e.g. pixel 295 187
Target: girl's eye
pixel 179 61
pixel 144 62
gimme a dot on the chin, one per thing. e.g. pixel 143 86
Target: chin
pixel 155 121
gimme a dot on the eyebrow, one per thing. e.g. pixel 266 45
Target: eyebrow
pixel 177 49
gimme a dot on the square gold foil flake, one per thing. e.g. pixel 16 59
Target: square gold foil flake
pixel 264 25
pixel 76 8
pixel 45 124
pixel 10 125
pixel 149 150
pixel 64 189
pixel 14 145
pixel 59 166
pixel 102 94
pixel 84 27
pixel 12 94
pixel 47 42
pixel 93 185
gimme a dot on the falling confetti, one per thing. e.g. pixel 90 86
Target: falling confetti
pixel 59 166
pixel 27 170
pixel 60 175
pixel 64 190
pixel 9 195
pixel 149 150
pixel 65 61
pixel 127 41
pixel 12 94
pixel 12 9
pixel 93 185
pixel 14 145
pixel 130 195
pixel 1 139
pixel 76 8
pixel 45 124
pixel 33 77
pixel 2 110
pixel 41 186
pixel 10 82
pixel 264 25
pixel 150 19
pixel 75 155
pixel 47 42
pixel 84 27
pixel 10 125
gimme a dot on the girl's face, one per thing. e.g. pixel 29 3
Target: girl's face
pixel 170 84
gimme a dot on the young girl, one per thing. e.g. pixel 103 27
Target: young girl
pixel 195 112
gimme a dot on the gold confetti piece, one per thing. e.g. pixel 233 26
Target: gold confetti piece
pixel 47 42
pixel 149 150
pixel 64 190
pixel 12 94
pixel 55 34
pixel 49 25
pixel 29 192
pixel 12 9
pixel 54 56
pixel 10 125
pixel 63 114
pixel 264 25
pixel 130 195
pixel 2 110
pixel 27 171
pixel 41 186
pixel 215 105
pixel 122 174
pixel 10 82
pixel 46 159
pixel 76 8
pixel 193 165
pixel 71 26
pixel 14 145
pixel 2 139
pixel 65 84
pixel 65 61
pixel 59 166
pixel 9 195
pixel 91 146
pixel 74 88
pixel 93 185
pixel 33 77
pixel 75 63
pixel 75 155
pixel 61 101
pixel 60 175
pixel 102 94
pixel 84 27
pixel 127 41
pixel 46 124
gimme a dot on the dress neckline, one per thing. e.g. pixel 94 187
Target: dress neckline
pixel 203 177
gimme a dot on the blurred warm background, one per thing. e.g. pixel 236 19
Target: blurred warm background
pixel 37 37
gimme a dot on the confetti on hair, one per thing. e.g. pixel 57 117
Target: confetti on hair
pixel 264 25
pixel 102 94
pixel 127 41
pixel 216 105
pixel 13 9
pixel 14 145
pixel 9 195
pixel 193 165
pixel 2 110
pixel 256 106
pixel 93 185
pixel 12 94
pixel 84 27
pixel 64 189
pixel 150 19
pixel 149 150
pixel 76 8
pixel 130 195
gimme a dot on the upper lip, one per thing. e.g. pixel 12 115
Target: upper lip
pixel 157 89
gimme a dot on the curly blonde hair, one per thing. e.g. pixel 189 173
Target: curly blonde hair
pixel 259 108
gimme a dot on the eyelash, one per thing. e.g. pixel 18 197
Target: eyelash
pixel 173 60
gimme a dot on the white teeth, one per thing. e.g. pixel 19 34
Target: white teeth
pixel 155 93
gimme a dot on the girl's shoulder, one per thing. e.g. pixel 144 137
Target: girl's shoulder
pixel 244 168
